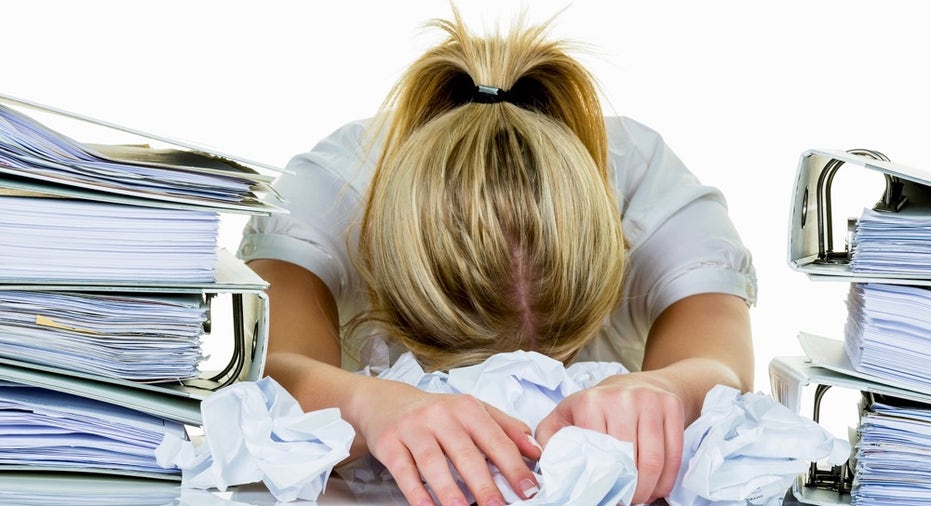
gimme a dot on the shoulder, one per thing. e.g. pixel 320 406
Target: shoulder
pixel 348 153
pixel 628 137
pixel 635 152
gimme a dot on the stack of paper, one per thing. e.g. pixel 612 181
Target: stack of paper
pixel 28 149
pixel 110 262
pixel 888 332
pixel 894 455
pixel 60 239
pixel 892 243
pixel 25 488
pixel 51 430
pixel 142 338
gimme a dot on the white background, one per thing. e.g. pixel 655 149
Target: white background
pixel 739 89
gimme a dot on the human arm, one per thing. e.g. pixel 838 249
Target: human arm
pixel 411 432
pixel 698 342
pixel 687 288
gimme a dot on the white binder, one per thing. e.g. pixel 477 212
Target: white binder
pixel 812 247
pixel 233 280
pixel 176 401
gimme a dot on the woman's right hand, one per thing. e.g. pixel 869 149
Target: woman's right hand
pixel 413 433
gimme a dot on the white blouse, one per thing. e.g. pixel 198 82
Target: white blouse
pixel 681 239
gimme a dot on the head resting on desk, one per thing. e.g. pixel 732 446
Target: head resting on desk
pixel 490 225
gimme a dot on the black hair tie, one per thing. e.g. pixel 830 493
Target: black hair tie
pixel 489 95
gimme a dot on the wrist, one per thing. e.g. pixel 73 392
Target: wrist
pixel 365 396
pixel 692 378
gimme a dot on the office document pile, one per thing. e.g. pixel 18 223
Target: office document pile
pixel 111 281
pixel 888 333
pixel 39 424
pixel 888 338
pixel 74 240
pixel 892 243
pixel 893 459
pixel 147 338
pixel 885 345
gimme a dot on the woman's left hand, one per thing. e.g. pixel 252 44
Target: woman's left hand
pixel 640 407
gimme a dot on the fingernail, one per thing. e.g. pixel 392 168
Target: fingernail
pixel 528 488
pixel 495 502
pixel 534 442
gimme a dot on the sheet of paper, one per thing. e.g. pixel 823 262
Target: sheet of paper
pixel 256 431
pixel 747 449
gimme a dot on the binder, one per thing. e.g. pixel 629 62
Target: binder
pixel 150 150
pixel 235 286
pixel 177 401
pixel 30 488
pixel 144 171
pixel 815 250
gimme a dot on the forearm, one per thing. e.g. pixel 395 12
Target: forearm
pixel 317 385
pixel 699 342
pixel 304 351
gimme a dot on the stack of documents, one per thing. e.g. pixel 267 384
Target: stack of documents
pixel 143 338
pixel 894 455
pixel 888 333
pixel 31 151
pixel 25 488
pixel 892 243
pixel 110 265
pixel 884 352
pixel 55 431
pixel 62 239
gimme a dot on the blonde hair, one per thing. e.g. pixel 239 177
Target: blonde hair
pixel 492 227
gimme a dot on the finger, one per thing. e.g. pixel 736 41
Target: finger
pixel 433 465
pixel 504 449
pixel 674 429
pixel 472 466
pixel 550 425
pixel 517 431
pixel 651 454
pixel 590 415
pixel 623 427
pixel 407 477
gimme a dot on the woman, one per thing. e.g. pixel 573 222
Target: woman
pixel 499 210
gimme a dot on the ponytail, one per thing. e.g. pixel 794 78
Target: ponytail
pixel 537 74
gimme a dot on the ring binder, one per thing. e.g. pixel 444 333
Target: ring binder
pixel 811 248
pixel 120 241
pixel 878 273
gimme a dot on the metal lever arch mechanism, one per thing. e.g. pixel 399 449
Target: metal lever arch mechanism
pixel 893 200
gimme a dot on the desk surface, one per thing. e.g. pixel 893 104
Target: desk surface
pixel 28 489
pixel 37 488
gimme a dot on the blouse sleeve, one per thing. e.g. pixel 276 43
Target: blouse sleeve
pixel 682 241
pixel 323 189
